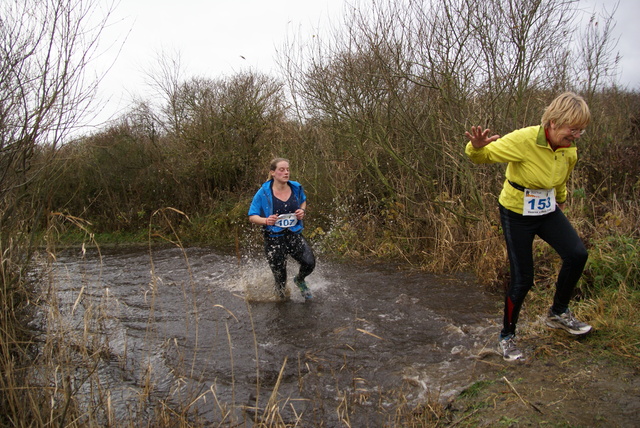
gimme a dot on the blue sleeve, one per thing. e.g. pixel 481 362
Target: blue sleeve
pixel 303 196
pixel 299 192
pixel 256 205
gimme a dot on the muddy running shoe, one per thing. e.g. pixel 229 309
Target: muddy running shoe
pixel 566 321
pixel 507 346
pixel 304 290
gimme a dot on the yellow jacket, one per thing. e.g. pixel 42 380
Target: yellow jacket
pixel 532 163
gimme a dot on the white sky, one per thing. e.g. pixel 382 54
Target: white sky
pixel 212 36
pixel 627 29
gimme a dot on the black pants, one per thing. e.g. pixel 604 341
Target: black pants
pixel 519 232
pixel 277 248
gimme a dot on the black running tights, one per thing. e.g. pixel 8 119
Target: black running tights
pixel 277 248
pixel 519 232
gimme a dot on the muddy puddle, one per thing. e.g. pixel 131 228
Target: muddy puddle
pixel 200 329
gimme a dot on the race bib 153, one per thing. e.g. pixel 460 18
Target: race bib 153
pixel 539 201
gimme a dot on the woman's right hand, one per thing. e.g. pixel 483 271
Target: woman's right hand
pixel 480 138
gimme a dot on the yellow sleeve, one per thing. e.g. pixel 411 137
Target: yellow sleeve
pixel 510 148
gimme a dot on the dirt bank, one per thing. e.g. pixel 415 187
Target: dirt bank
pixel 564 381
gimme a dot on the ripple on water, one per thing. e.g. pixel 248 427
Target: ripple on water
pixel 198 323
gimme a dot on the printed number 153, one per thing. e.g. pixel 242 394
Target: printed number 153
pixel 543 204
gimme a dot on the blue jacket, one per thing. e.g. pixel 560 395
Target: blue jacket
pixel 262 204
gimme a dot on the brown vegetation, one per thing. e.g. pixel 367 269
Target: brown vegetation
pixel 372 120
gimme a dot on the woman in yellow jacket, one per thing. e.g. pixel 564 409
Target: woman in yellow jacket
pixel 539 161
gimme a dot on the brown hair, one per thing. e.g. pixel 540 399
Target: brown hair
pixel 274 163
pixel 567 109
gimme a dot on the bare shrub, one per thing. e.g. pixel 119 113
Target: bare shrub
pixel 44 92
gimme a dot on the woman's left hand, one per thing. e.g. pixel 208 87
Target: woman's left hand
pixel 300 213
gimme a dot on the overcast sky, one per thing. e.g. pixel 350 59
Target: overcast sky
pixel 222 37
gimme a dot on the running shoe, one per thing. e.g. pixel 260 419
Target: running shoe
pixel 304 290
pixel 566 321
pixel 284 295
pixel 507 346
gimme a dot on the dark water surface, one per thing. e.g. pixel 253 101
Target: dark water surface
pixel 200 329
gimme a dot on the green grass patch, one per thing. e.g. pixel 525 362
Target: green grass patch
pixel 613 263
pixel 476 388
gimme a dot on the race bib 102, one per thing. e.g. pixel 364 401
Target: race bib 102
pixel 539 201
pixel 286 220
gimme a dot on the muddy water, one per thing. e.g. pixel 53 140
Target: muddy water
pixel 200 328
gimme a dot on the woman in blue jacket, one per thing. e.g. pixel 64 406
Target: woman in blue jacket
pixel 280 206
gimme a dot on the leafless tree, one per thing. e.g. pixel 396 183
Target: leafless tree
pixel 597 59
pixel 45 47
pixel 218 129
pixel 395 86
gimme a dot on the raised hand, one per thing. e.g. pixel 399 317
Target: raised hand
pixel 480 138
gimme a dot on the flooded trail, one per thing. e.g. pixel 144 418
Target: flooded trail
pixel 201 329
